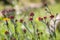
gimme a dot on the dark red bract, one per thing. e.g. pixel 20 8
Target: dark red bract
pixel 31 14
pixel 45 17
pixel 11 17
pixel 52 16
pixel 40 19
pixel 30 19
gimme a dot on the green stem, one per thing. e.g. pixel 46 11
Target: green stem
pixel 34 30
pixel 27 28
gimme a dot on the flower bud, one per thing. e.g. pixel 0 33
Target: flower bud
pixel 21 20
pixel 40 19
pixel 31 14
pixel 52 16
pixel 30 19
pixel 45 17
pixel 11 17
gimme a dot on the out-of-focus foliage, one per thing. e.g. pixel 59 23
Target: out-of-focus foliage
pixel 57 1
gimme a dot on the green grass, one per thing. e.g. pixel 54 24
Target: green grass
pixel 42 27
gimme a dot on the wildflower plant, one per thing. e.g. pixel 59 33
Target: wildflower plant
pixel 30 30
pixel 35 34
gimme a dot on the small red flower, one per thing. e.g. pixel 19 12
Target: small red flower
pixel 45 17
pixel 31 14
pixel 40 19
pixel 11 17
pixel 30 19
pixel 3 12
pixel 6 32
pixel 21 20
pixel 52 16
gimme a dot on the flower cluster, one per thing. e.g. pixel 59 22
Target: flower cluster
pixel 26 28
pixel 25 33
pixel 8 12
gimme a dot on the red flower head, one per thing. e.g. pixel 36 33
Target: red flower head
pixel 21 20
pixel 6 32
pixel 40 19
pixel 31 14
pixel 45 17
pixel 11 17
pixel 30 19
pixel 3 12
pixel 52 16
